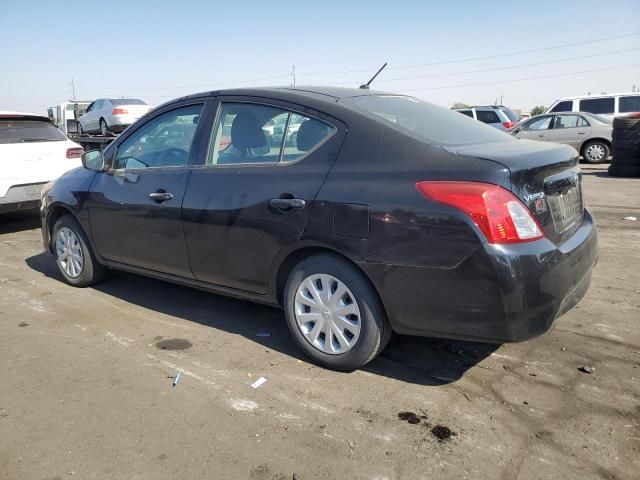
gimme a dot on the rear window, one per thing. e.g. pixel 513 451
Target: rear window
pixel 27 131
pixel 425 120
pixel 629 104
pixel 511 115
pixel 566 106
pixel 126 101
pixel 597 105
pixel 600 119
pixel 488 116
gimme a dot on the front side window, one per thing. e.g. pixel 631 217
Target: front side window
pixel 164 141
pixel 629 104
pixel 247 133
pixel 487 116
pixel 566 106
pixel 541 123
pixel 566 121
pixel 597 105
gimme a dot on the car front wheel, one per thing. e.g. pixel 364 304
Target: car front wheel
pixel 334 314
pixel 74 256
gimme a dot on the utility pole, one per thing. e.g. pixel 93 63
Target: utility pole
pixel 293 75
pixel 73 88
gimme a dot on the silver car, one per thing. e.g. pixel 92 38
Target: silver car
pixel 111 115
pixel 588 133
pixel 496 116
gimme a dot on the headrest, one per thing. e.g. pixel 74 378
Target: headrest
pixel 310 133
pixel 196 119
pixel 246 132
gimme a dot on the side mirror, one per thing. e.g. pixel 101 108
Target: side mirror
pixel 93 160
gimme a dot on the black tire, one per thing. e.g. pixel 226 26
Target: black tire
pixel 626 152
pixel 91 271
pixel 627 144
pixel 626 123
pixel 625 135
pixel 599 143
pixel 104 128
pixel 375 330
pixel 624 171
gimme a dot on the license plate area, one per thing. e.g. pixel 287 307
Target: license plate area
pixel 566 208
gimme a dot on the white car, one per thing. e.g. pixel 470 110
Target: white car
pixel 111 115
pixel 33 152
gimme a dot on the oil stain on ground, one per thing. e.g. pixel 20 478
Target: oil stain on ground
pixel 411 417
pixel 442 432
pixel 174 344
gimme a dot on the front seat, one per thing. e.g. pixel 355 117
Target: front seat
pixel 246 134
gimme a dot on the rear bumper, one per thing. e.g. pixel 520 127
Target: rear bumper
pixel 21 197
pixel 501 293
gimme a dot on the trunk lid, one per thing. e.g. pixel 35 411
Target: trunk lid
pixel 544 176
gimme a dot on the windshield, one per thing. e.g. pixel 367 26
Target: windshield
pixel 126 101
pixel 436 125
pixel 24 131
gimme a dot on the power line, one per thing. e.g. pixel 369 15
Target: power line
pixel 202 85
pixel 469 72
pixel 524 79
pixel 485 57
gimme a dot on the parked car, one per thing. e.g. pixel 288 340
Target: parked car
pixel 497 116
pixel 112 115
pixel 589 134
pixel 609 106
pixel 33 152
pixel 388 214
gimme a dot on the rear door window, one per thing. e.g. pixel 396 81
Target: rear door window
pixel 28 131
pixel 247 133
pixel 597 105
pixel 565 106
pixel 487 116
pixel 566 121
pixel 629 104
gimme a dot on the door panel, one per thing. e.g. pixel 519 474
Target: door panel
pixel 569 129
pixel 237 217
pixel 135 207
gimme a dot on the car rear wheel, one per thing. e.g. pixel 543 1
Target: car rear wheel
pixel 74 256
pixel 80 130
pixel 334 314
pixel 104 128
pixel 595 152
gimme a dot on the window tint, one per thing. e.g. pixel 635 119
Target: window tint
pixel 487 116
pixel 541 123
pixel 566 106
pixel 582 122
pixel 424 120
pixel 597 105
pixel 250 133
pixel 468 113
pixel 28 131
pixel 566 121
pixel 629 104
pixel 164 141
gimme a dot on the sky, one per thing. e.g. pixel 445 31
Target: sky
pixel 475 52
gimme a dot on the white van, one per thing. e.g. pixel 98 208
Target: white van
pixel 606 105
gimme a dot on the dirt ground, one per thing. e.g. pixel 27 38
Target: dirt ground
pixel 86 382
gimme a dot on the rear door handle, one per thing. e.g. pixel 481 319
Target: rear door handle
pixel 160 196
pixel 287 204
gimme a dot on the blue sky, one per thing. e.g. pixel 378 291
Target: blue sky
pixel 158 50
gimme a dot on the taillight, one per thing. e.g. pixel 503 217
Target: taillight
pixel 500 216
pixel 75 152
pixel 508 125
pixel 119 111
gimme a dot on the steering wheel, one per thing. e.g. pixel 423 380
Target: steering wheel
pixel 174 156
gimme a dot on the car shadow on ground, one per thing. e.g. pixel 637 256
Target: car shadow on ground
pixel 19 221
pixel 417 360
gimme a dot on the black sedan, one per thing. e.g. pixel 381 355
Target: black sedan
pixel 372 213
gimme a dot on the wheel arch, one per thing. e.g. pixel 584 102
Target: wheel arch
pixel 595 139
pixel 295 256
pixel 54 213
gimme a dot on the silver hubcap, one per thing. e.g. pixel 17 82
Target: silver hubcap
pixel 103 128
pixel 69 252
pixel 327 314
pixel 595 152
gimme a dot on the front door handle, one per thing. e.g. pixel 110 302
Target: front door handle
pixel 160 196
pixel 287 204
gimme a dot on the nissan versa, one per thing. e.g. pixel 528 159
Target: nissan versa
pixel 371 213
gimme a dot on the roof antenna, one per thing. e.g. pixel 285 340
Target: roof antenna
pixel 365 86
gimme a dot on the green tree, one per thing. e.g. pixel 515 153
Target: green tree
pixel 459 105
pixel 537 110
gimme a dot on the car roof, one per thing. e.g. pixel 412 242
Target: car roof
pixel 23 116
pixel 601 95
